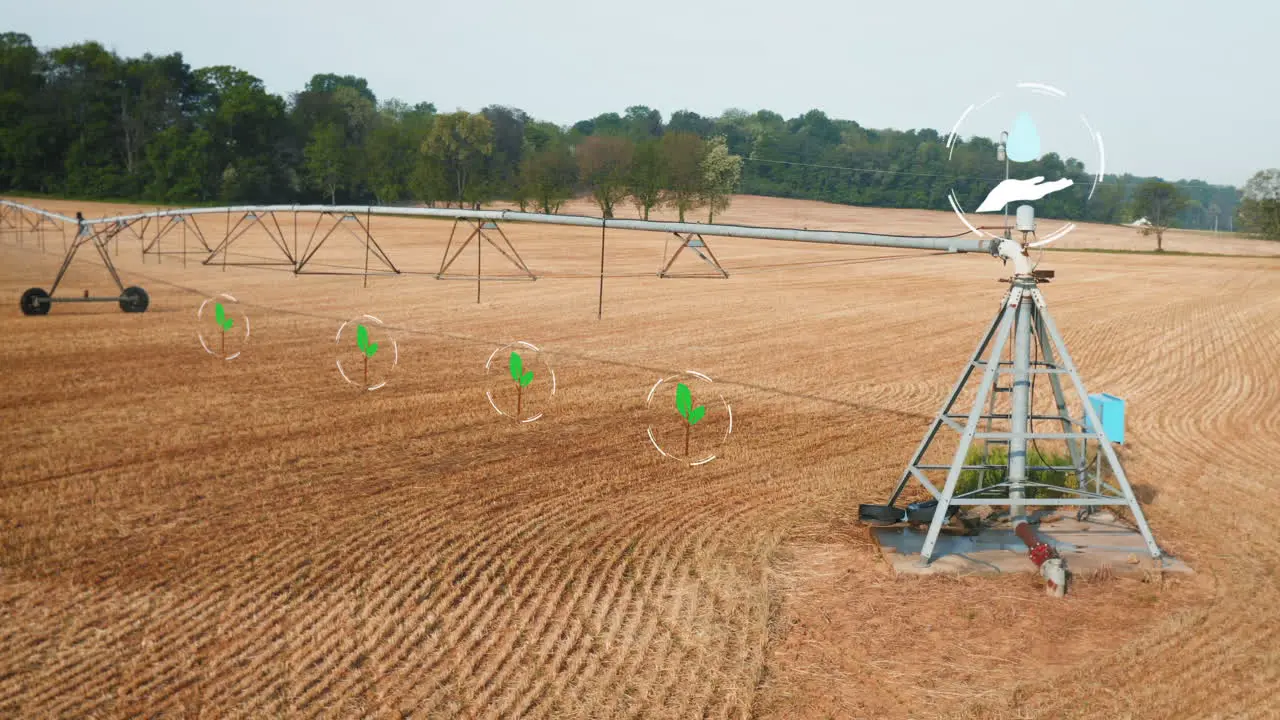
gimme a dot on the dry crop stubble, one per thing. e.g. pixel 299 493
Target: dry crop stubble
pixel 256 537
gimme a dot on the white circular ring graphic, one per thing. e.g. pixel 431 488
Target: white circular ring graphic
pixel 489 394
pixel 649 430
pixel 1039 89
pixel 200 318
pixel 395 351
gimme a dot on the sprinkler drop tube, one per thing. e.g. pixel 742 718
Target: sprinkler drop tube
pixel 1027 535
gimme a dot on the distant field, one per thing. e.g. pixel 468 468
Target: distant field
pixel 187 537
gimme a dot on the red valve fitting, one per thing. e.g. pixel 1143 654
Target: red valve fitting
pixel 1038 550
pixel 1052 568
pixel 1040 553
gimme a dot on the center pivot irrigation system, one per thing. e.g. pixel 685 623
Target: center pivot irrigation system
pixel 1022 326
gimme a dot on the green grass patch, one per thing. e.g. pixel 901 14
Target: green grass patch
pixel 971 480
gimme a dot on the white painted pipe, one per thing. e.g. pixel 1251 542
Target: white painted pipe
pixel 835 237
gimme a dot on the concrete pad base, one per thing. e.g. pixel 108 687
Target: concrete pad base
pixel 1098 543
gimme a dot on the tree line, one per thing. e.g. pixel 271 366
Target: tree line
pixel 81 121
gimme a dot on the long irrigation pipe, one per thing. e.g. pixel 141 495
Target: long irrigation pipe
pixel 952 243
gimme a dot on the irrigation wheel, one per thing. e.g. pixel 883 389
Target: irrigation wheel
pixel 36 302
pixel 134 299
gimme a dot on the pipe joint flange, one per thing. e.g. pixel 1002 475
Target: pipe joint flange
pixel 1040 553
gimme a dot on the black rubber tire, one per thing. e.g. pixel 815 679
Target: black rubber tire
pixel 923 512
pixel 134 299
pixel 36 302
pixel 886 514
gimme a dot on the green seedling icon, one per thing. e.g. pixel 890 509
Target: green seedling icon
pixel 224 322
pixel 691 414
pixel 522 377
pixel 366 348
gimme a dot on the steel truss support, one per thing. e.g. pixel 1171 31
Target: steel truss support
pixel 176 225
pixel 248 219
pixel 11 221
pixel 1024 319
pixel 364 237
pixel 478 228
pixel 696 244
pixel 139 229
pixel 99 237
pixel 14 220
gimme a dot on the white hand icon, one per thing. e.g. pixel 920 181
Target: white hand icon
pixel 1010 190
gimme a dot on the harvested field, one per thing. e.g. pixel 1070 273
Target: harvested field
pixel 189 537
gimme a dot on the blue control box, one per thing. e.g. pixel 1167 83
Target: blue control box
pixel 1110 410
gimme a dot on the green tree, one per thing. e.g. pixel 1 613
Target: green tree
pixel 25 128
pixel 426 181
pixel 604 164
pixel 1159 202
pixel 392 150
pixel 85 84
pixel 155 95
pixel 178 165
pixel 721 173
pixel 250 130
pixel 390 156
pixel 502 166
pixel 603 124
pixel 326 160
pixel 547 178
pixel 648 177
pixel 345 102
pixel 682 155
pixel 688 121
pixel 358 115
pixel 460 142
pixel 329 83
pixel 642 123
pixel 1259 213
pixel 1107 204
pixel 541 135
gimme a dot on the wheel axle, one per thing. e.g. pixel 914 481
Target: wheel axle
pixel 38 302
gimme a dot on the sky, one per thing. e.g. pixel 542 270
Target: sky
pixel 1176 88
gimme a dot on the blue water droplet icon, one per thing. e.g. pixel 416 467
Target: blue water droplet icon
pixel 1024 141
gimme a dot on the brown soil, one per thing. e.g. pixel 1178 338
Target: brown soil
pixel 185 536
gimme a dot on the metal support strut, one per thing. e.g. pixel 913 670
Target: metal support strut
pixel 363 234
pixel 696 244
pixel 248 219
pixel 478 234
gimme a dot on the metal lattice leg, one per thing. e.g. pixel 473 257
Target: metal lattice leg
pixel 1104 446
pixel 946 407
pixel 971 425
